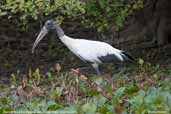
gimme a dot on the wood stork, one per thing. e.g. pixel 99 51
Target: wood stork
pixel 95 52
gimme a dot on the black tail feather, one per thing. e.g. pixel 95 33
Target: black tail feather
pixel 127 57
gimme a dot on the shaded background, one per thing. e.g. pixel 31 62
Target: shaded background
pixel 146 34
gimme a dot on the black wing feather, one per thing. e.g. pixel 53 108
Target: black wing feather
pixel 109 58
pixel 113 58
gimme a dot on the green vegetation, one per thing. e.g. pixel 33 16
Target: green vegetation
pixel 139 89
pixel 99 14
pixel 142 88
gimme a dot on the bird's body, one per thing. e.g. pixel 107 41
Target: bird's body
pixel 92 51
pixel 95 52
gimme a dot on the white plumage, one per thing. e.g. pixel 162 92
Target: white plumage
pixel 95 52
pixel 90 50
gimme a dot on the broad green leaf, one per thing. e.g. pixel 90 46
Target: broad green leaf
pixel 98 80
pixel 1 110
pixel 54 107
pixel 4 100
pixel 131 89
pixel 89 108
pixel 120 91
pixel 99 100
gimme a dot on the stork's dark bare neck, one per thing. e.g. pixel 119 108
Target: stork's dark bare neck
pixel 59 31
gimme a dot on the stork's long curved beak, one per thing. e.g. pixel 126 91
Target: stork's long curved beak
pixel 41 35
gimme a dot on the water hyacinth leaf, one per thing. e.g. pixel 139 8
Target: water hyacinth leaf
pixel 109 89
pixel 89 108
pixel 138 100
pixel 93 92
pixel 166 97
pixel 71 109
pixel 52 106
pixel 115 100
pixel 131 89
pixel 120 91
pixel 98 80
pixel 99 100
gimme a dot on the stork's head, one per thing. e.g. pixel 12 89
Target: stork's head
pixel 48 26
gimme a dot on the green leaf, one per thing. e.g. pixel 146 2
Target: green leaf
pixel 37 74
pixel 139 99
pixel 98 80
pixel 89 108
pixel 109 89
pixel 4 100
pixel 115 100
pixel 49 75
pixel 1 110
pixel 93 92
pixel 54 107
pixel 131 89
pixel 102 3
pixel 99 100
pixel 58 91
pixel 120 91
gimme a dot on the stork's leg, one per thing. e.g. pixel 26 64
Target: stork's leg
pixel 96 67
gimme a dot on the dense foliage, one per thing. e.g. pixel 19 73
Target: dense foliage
pixel 100 14
pixel 140 89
